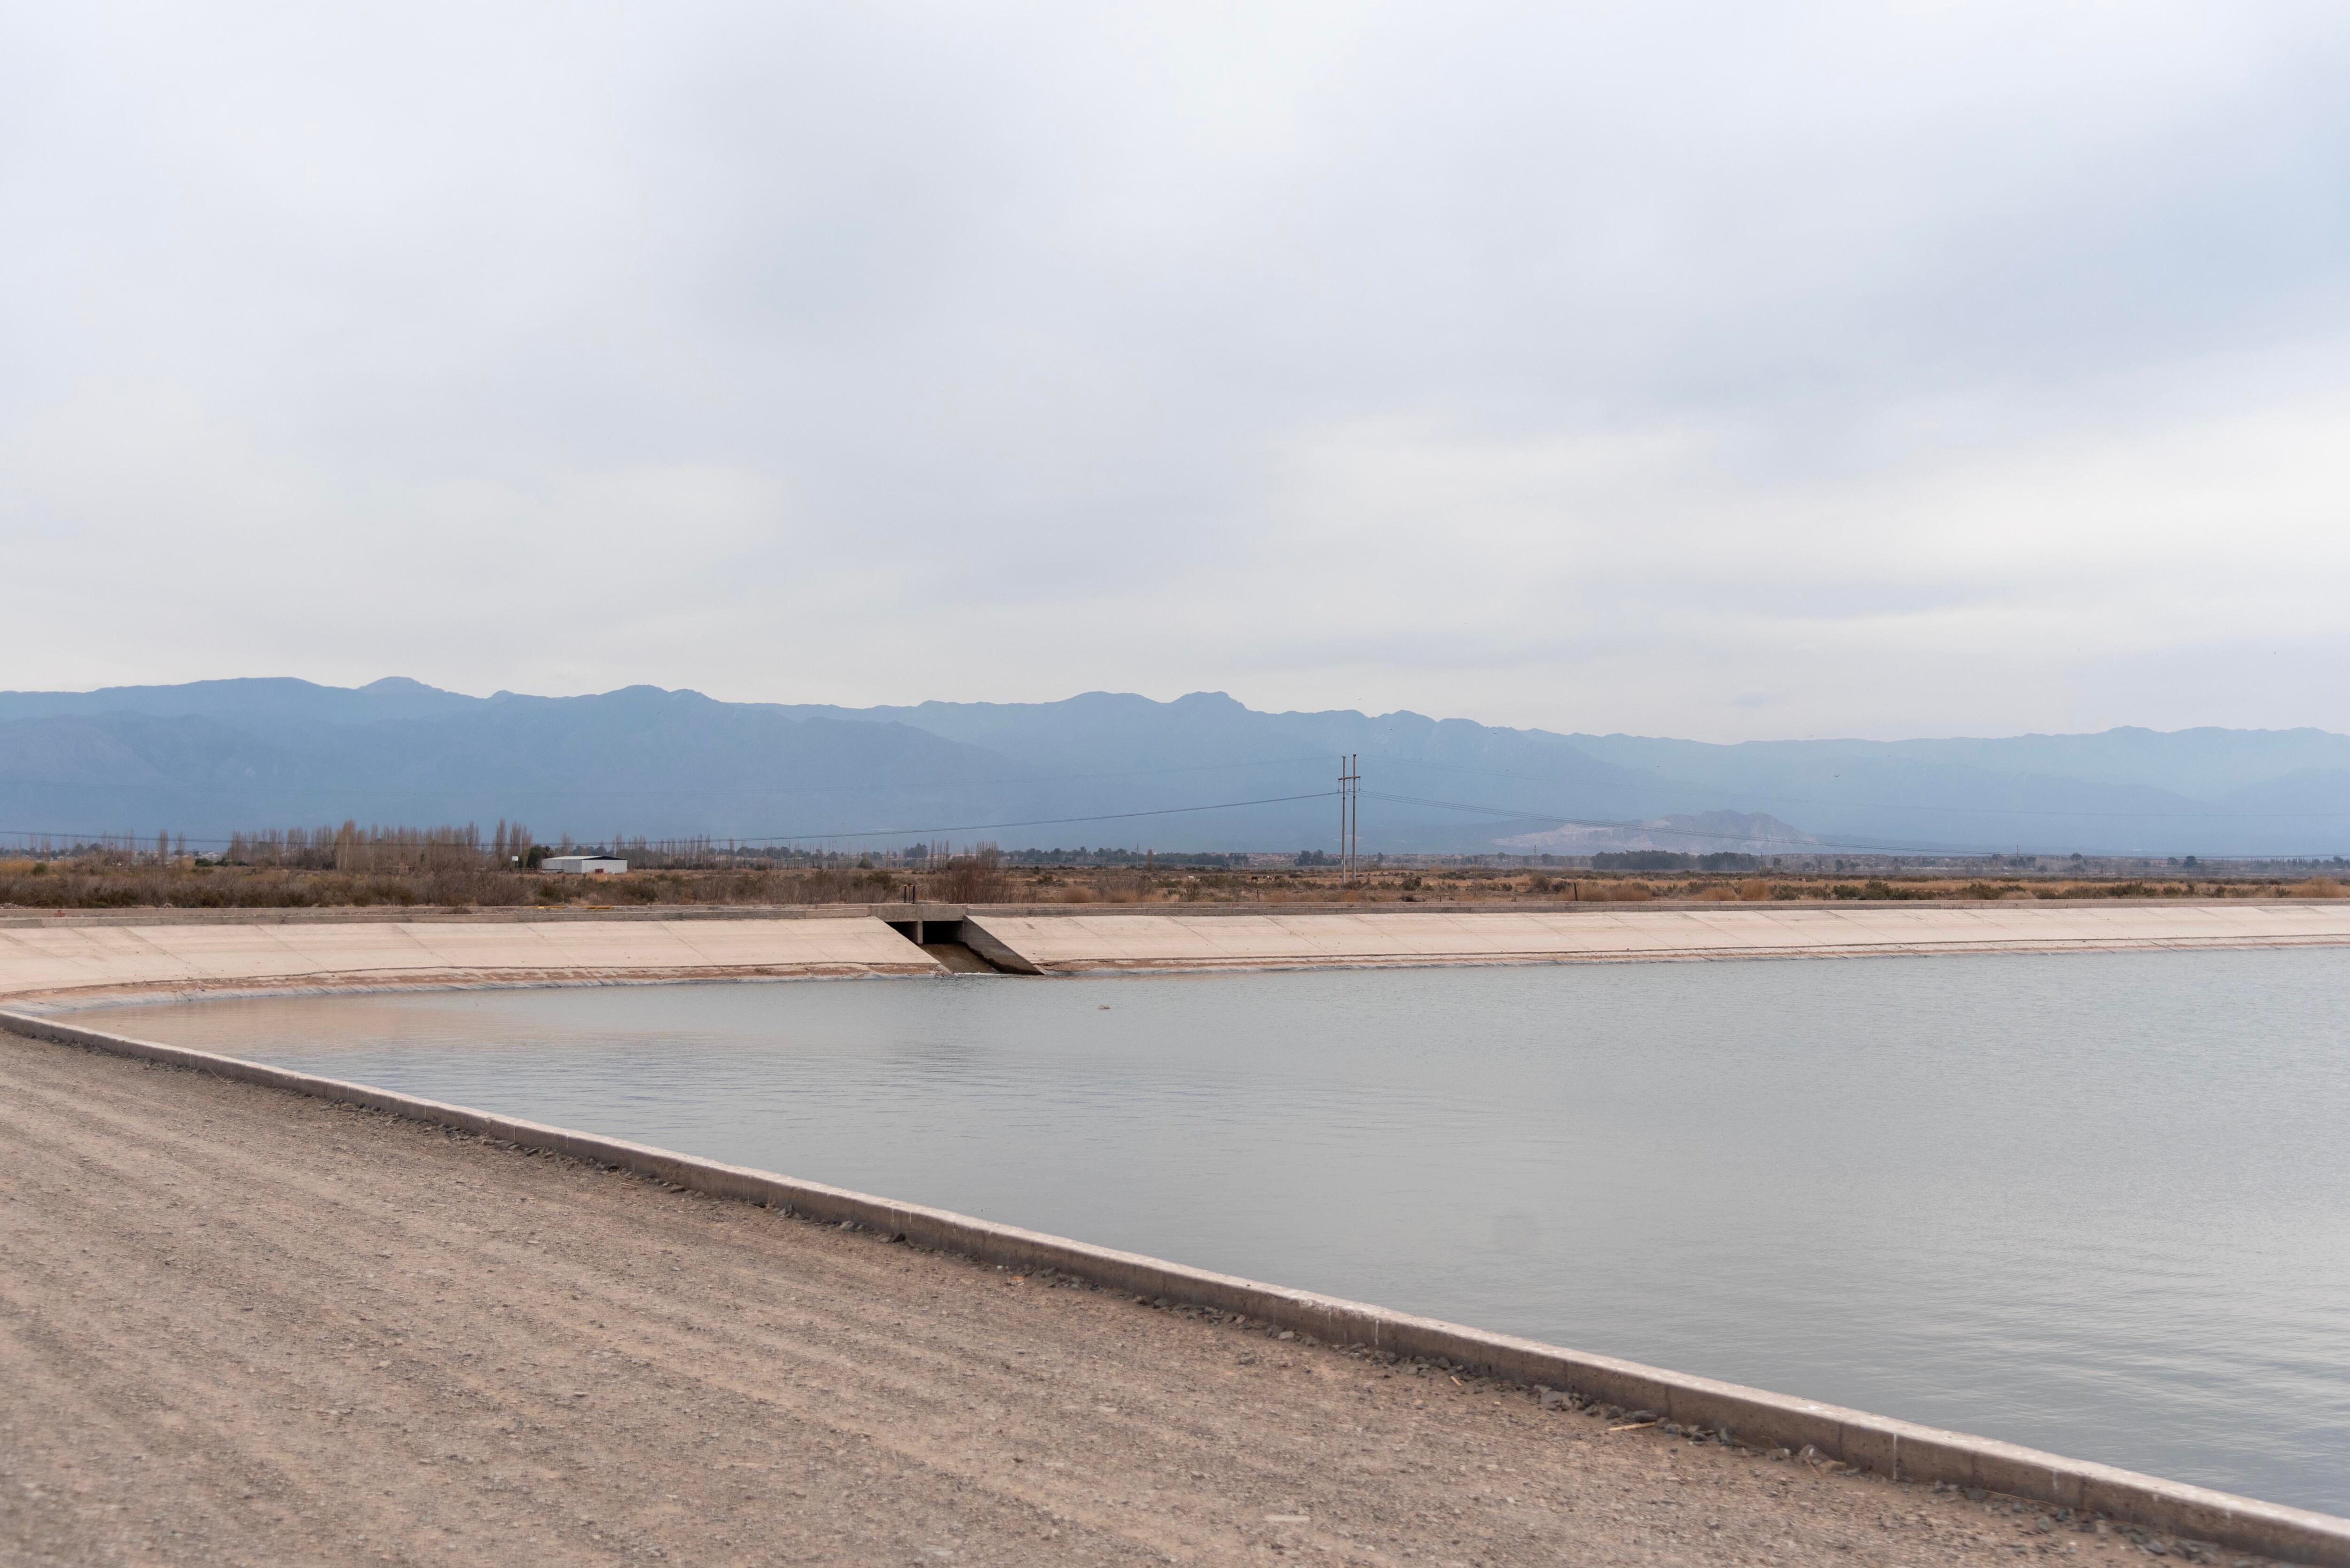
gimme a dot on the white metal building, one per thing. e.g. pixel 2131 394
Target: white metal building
pixel 594 864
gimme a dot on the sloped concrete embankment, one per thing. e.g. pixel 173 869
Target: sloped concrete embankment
pixel 1173 938
pixel 76 961
pixel 89 961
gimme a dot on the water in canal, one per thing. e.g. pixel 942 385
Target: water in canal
pixel 2096 1203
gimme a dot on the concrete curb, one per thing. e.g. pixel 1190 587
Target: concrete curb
pixel 2048 948
pixel 1897 1450
pixel 51 1004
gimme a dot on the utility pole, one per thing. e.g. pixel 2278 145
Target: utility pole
pixel 1350 779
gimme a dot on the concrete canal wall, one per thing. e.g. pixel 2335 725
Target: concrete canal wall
pixel 62 959
pixel 1180 939
pixel 76 957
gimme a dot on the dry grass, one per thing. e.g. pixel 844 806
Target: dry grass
pixel 436 876
pixel 1126 887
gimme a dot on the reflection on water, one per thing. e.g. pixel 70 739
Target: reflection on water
pixel 2094 1203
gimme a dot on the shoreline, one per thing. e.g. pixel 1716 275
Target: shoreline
pixel 59 960
pixel 1895 1450
pixel 58 1004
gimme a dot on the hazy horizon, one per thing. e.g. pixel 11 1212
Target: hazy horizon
pixel 1203 771
pixel 1172 696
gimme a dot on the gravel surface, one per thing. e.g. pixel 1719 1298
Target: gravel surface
pixel 238 1325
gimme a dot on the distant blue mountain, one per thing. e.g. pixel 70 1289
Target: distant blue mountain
pixel 264 700
pixel 210 757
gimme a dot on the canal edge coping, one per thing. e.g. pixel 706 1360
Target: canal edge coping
pixel 1901 1450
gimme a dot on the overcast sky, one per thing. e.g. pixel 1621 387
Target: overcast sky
pixel 1725 370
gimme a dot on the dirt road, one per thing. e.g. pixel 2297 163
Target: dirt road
pixel 241 1326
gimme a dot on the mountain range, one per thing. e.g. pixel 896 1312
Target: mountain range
pixel 1202 772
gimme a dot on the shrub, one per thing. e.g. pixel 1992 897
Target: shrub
pixel 974 879
pixel 1641 860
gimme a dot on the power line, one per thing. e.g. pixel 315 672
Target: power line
pixel 1036 822
pixel 1349 792
pixel 1810 846
pixel 1889 806
pixel 670 791
pixel 1513 814
pixel 864 833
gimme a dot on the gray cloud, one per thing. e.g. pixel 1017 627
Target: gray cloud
pixel 1927 368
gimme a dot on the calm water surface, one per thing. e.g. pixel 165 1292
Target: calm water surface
pixel 2094 1204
